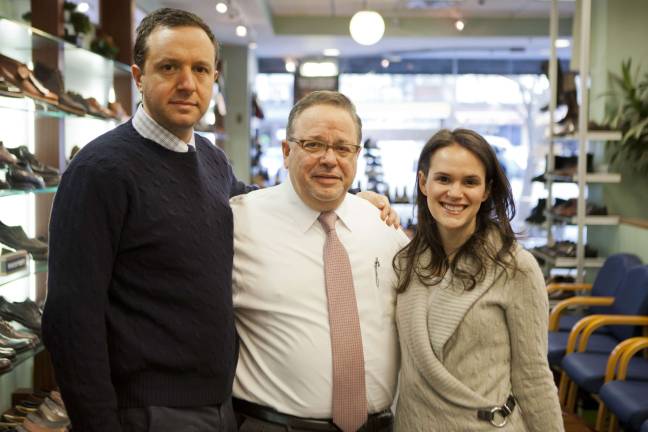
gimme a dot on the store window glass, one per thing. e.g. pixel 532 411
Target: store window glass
pixel 401 112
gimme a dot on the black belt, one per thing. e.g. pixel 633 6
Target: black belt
pixel 374 421
pixel 497 415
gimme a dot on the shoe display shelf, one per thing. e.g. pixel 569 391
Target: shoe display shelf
pixel 583 138
pixel 33 267
pixel 49 131
pixel 23 357
pixel 10 192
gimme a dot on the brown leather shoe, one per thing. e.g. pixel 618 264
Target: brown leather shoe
pixel 5 156
pixel 97 109
pixel 30 426
pixel 19 75
pixel 8 89
pixel 53 79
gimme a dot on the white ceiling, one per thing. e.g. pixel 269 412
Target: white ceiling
pixel 261 17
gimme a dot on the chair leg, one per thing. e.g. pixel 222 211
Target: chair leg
pixel 571 398
pixel 600 417
pixel 614 424
pixel 562 388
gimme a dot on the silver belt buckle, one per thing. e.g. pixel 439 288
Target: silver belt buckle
pixel 498 411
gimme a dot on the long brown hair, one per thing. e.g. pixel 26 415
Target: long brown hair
pixel 493 218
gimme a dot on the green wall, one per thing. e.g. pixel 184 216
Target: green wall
pixel 619 32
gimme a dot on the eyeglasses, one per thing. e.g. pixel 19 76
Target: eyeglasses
pixel 319 148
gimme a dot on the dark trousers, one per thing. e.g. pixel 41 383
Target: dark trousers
pixel 192 419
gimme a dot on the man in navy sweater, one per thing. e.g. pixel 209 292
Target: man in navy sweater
pixel 139 317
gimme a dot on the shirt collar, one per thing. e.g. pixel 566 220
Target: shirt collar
pixel 304 216
pixel 146 126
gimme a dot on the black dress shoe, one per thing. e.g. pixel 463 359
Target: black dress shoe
pixel 15 237
pixel 23 178
pixel 25 155
pixel 25 313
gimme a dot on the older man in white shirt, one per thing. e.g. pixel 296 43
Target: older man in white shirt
pixel 314 300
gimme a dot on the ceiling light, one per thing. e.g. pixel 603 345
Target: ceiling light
pixel 384 63
pixel 291 66
pixel 562 43
pixel 221 7
pixel 459 25
pixel 318 69
pixel 331 52
pixel 241 31
pixel 83 7
pixel 367 27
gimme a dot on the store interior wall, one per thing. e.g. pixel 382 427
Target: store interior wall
pixel 237 96
pixel 619 33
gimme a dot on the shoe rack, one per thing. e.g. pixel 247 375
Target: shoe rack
pixel 585 139
pixel 49 131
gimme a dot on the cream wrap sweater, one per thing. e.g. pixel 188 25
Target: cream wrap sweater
pixel 466 350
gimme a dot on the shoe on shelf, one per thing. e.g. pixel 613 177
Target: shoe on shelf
pixel 8 89
pixel 23 179
pixel 8 330
pixel 23 154
pixel 8 353
pixel 6 157
pixel 19 75
pixel 15 238
pixel 25 313
pixel 53 79
pixel 5 364
pixel 19 345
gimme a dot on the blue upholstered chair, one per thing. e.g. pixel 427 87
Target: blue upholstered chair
pixel 584 367
pixel 624 397
pixel 598 302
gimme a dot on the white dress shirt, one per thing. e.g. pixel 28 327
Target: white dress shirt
pixel 281 307
pixel 150 129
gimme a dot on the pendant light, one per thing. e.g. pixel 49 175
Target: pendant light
pixel 367 27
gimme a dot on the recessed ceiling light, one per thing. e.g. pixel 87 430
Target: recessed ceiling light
pixel 241 31
pixel 221 7
pixel 562 43
pixel 83 7
pixel 384 63
pixel 460 25
pixel 331 52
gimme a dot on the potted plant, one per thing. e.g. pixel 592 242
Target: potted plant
pixel 77 24
pixel 628 112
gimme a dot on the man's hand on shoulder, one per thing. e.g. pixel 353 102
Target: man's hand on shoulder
pixel 387 213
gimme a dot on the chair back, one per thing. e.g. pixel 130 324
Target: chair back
pixel 610 276
pixel 631 299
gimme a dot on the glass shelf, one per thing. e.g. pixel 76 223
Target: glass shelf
pixel 84 72
pixel 42 109
pixel 11 192
pixel 32 268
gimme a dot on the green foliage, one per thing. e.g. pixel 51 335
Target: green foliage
pixel 628 112
pixel 105 46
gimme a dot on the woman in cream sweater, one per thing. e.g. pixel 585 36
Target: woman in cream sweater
pixel 472 306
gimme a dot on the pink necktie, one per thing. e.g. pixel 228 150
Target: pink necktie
pixel 349 393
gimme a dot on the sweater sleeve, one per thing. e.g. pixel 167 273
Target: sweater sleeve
pixel 527 317
pixel 86 222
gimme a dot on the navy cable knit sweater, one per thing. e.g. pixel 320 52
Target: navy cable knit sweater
pixel 139 308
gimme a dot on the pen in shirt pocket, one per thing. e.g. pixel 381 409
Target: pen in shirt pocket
pixel 376 267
